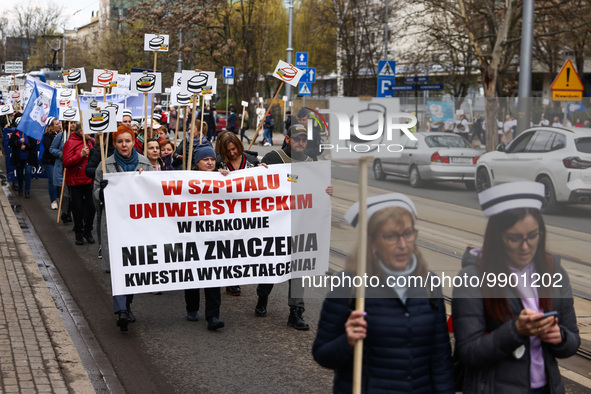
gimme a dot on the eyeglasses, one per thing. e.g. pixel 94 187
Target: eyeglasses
pixel 515 241
pixel 299 139
pixel 393 238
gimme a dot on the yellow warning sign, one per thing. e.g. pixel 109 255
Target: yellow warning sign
pixel 567 79
pixel 565 95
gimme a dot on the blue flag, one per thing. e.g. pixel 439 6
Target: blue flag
pixel 39 107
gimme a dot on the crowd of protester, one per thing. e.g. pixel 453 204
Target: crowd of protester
pixel 504 342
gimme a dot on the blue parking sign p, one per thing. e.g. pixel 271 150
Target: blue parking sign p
pixel 228 72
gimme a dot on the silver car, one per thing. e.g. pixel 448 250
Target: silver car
pixel 432 157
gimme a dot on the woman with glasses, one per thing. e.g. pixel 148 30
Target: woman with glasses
pixel 503 338
pixel 406 345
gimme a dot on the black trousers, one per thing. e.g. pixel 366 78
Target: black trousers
pixel 295 296
pixel 213 300
pixel 82 208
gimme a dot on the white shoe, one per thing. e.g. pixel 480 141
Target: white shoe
pixel 267 144
pixel 54 205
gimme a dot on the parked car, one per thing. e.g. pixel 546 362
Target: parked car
pixel 432 157
pixel 558 157
pixel 220 119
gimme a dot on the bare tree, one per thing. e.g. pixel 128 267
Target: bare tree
pixel 489 30
pixel 28 23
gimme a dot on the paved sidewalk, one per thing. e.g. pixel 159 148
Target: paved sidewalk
pixel 36 352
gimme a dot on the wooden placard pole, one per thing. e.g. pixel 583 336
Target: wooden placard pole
pixel 242 121
pixel 201 125
pixel 178 124
pixel 59 210
pixel 102 148
pixel 184 142
pixel 265 117
pixel 153 95
pixel 361 268
pixel 145 120
pixel 80 114
pixel 192 132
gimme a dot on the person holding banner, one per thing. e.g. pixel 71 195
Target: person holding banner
pixel 293 152
pixel 406 346
pixel 124 159
pixel 24 157
pixel 166 153
pixel 205 161
pixel 56 149
pixel 232 157
pixel 198 139
pixel 76 153
pixel 153 154
pixel 503 337
pixel 54 126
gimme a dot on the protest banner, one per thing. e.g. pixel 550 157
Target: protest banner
pixel 173 230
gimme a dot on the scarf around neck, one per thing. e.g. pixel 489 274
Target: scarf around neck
pixel 127 163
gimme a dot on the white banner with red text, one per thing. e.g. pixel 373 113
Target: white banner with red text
pixel 172 230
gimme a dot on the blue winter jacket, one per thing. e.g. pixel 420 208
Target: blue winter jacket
pixel 407 348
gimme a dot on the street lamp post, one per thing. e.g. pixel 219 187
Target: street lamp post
pixel 524 92
pixel 289 46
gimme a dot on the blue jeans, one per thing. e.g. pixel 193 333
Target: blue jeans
pixel 268 136
pixel 50 186
pixel 24 173
pixel 122 302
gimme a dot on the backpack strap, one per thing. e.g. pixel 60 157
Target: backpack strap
pixel 283 156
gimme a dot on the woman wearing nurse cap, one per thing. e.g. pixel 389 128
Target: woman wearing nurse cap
pixel 406 344
pixel 502 336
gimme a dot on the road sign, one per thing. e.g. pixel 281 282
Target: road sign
pixel 309 75
pixel 567 79
pixel 228 81
pixel 418 79
pixel 386 68
pixel 301 59
pixel 433 86
pixel 384 86
pixel 228 72
pixel 305 89
pixel 566 95
pixel 402 88
pixel 13 67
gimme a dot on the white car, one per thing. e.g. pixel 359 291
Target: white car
pixel 558 157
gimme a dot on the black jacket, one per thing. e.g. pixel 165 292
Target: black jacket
pixel 47 158
pixel 486 346
pixel 94 157
pixel 30 146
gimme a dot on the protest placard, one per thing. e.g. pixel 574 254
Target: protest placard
pixel 105 78
pixel 156 42
pixel 99 120
pixel 172 230
pixel 74 76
